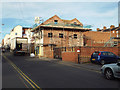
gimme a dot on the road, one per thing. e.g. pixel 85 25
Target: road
pixel 26 72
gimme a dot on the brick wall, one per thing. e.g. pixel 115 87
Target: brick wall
pixel 85 53
pixel 69 56
pixel 68 39
pixel 47 52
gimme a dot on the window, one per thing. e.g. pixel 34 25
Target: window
pixel 60 35
pixel 108 54
pixel 75 23
pixel 15 33
pixel 95 54
pixel 105 53
pixel 113 31
pixel 50 35
pixel 111 54
pixel 55 21
pixel 75 36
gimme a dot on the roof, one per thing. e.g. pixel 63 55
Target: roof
pixel 69 21
pixel 66 21
pixel 98 37
pixel 108 29
pixel 27 27
pixel 67 24
pixel 61 27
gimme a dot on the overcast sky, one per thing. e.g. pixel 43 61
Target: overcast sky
pixel 97 14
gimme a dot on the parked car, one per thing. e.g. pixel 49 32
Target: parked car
pixel 18 52
pixel 3 49
pixel 104 57
pixel 111 71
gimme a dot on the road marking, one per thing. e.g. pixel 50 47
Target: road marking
pixel 23 81
pixel 25 77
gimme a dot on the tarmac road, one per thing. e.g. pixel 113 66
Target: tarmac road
pixel 50 74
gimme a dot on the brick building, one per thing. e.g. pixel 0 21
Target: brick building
pixel 100 40
pixel 114 35
pixel 93 38
pixel 56 32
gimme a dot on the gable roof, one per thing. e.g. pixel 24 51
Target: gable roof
pixel 51 18
pixel 68 24
pixel 63 20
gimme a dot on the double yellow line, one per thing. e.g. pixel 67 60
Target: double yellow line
pixel 25 77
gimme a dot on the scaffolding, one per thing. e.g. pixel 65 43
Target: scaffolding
pixel 69 25
pixel 113 41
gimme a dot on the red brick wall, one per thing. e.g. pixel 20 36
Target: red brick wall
pixel 69 56
pixel 47 52
pixel 91 43
pixel 66 41
pixel 85 53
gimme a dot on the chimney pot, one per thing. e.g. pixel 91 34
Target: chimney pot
pixel 104 28
pixel 98 29
pixel 112 26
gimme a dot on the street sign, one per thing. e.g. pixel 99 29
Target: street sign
pixel 78 50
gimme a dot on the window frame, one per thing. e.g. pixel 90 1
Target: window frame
pixel 55 21
pixel 75 37
pixel 15 33
pixel 50 35
pixel 60 35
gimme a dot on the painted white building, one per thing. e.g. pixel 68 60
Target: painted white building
pixel 7 40
pixel 18 32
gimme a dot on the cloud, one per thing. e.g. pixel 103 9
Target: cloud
pixel 23 10
pixel 94 13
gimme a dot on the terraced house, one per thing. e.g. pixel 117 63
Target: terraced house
pixel 56 32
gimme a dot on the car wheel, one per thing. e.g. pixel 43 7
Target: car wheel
pixel 102 62
pixel 109 74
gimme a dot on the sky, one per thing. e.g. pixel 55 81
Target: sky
pixel 97 14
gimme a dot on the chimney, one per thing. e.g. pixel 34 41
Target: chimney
pixel 104 28
pixel 98 29
pixel 112 26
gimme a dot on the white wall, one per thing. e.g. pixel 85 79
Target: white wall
pixel 16 30
pixel 7 40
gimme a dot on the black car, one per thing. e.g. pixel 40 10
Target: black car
pixel 3 49
pixel 18 52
